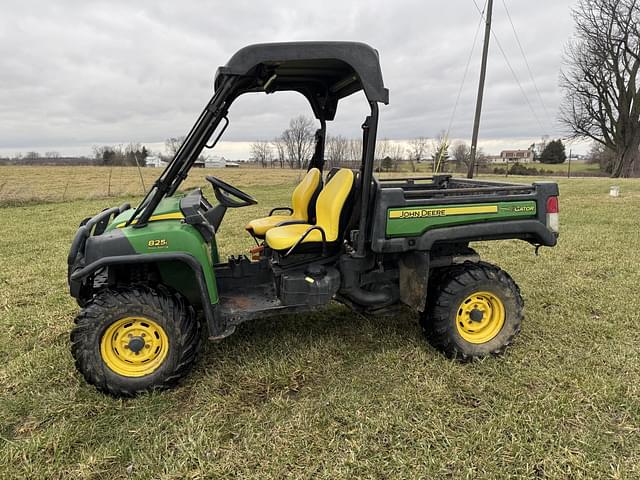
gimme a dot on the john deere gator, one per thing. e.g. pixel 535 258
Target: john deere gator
pixel 149 278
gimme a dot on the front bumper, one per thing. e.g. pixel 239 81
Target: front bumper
pixel 95 225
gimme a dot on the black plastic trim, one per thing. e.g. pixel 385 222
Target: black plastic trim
pixel 529 230
pixel 77 276
pixel 86 227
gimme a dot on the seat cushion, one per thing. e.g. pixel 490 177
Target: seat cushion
pixel 260 226
pixel 285 237
pixel 302 202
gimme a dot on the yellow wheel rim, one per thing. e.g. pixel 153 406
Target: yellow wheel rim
pixel 480 317
pixel 134 346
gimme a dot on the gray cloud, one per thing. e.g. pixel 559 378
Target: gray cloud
pixel 79 73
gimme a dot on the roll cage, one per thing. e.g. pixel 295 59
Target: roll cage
pixel 324 72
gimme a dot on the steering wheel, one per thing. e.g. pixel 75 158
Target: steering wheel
pixel 228 195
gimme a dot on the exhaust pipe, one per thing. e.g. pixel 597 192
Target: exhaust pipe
pixel 350 269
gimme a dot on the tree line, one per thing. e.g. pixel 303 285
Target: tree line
pixel 133 154
pixel 295 147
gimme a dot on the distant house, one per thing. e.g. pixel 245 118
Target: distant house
pixel 220 162
pixel 494 159
pixel 215 162
pixel 519 156
pixel 156 162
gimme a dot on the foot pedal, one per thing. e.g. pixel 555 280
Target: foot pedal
pixel 256 252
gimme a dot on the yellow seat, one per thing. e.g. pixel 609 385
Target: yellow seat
pixel 328 209
pixel 300 200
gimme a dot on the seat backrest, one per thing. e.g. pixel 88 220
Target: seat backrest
pixel 302 199
pixel 331 202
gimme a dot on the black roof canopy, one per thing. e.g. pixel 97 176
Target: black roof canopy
pixel 324 72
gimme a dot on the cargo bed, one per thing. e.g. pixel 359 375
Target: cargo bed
pixel 417 213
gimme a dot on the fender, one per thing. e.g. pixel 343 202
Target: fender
pixel 76 278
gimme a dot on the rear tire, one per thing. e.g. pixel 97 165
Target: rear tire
pixel 134 340
pixel 473 310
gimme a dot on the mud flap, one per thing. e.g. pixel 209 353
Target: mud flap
pixel 414 279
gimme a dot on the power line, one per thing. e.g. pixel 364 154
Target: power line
pixel 464 78
pixel 526 62
pixel 504 55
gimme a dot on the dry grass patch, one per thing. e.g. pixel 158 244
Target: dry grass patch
pixel 334 394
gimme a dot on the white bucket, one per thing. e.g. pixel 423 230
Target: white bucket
pixel 614 191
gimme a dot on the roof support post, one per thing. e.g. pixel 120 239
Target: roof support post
pixel 317 161
pixel 366 176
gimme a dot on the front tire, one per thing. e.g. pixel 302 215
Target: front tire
pixel 134 340
pixel 474 310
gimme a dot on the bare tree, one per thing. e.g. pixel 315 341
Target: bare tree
pixel 299 141
pixel 52 154
pixel 601 155
pixel 382 152
pixel 173 144
pixel 397 153
pixel 440 151
pixel 261 152
pixel 354 152
pixel 280 151
pixel 382 148
pixel 462 154
pixel 417 149
pixel 32 155
pixel 601 81
pixel 336 151
pixel 481 158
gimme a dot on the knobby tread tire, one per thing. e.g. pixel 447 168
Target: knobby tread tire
pixel 448 287
pixel 169 310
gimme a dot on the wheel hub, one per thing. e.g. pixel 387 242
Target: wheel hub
pixel 480 317
pixel 134 346
pixel 476 315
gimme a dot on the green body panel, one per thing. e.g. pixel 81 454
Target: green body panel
pixel 415 221
pixel 172 236
pixel 167 205
pixel 166 236
pixel 215 257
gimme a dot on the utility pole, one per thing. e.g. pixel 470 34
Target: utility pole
pixel 483 73
pixel 569 169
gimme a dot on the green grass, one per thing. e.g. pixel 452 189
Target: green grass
pixel 577 167
pixel 335 394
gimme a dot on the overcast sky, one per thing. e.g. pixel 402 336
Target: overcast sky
pixel 75 73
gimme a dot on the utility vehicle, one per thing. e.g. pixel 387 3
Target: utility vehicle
pixel 148 278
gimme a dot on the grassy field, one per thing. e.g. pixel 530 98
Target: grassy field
pixel 332 395
pixel 577 167
pixel 20 185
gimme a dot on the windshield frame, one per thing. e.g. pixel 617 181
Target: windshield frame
pixel 178 168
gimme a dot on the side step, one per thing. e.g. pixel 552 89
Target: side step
pixel 247 304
